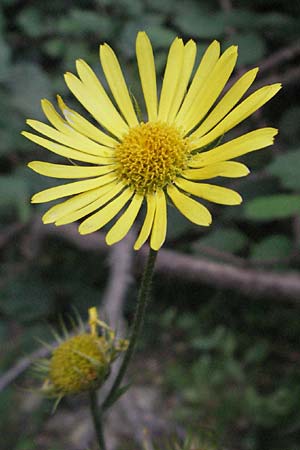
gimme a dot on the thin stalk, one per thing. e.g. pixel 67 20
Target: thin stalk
pixel 96 413
pixel 143 298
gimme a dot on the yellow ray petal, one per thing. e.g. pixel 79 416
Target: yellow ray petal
pixel 67 152
pixel 230 99
pixel 94 86
pixel 71 188
pixel 213 87
pixel 148 222
pixel 146 65
pixel 191 209
pixel 238 114
pixel 204 69
pixel 106 214
pixel 84 127
pixel 54 118
pixel 125 222
pixel 189 56
pixel 228 169
pixel 106 195
pixel 171 78
pixel 75 203
pixel 93 100
pixel 68 171
pixel 159 230
pixel 117 84
pixel 80 143
pixel 66 128
pixel 216 194
pixel 249 142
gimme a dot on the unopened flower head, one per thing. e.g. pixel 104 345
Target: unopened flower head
pixel 166 156
pixel 81 362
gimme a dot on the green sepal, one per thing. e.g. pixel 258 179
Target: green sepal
pixel 119 392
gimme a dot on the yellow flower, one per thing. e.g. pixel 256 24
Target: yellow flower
pixel 168 156
pixel 81 362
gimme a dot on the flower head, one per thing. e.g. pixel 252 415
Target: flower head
pixel 81 362
pixel 130 161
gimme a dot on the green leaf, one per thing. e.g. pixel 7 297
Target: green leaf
pixel 26 298
pixel 55 47
pixel 29 84
pixel 129 7
pixel 211 341
pixel 31 22
pixel 276 20
pixel 287 166
pixel 160 35
pixel 167 6
pixel 80 21
pixel 242 19
pixel 223 239
pixel 257 353
pixel 272 207
pixel 15 196
pixel 5 54
pixel 289 124
pixel 119 392
pixel 252 47
pixel 201 24
pixel 272 247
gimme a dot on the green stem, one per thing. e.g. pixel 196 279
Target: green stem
pixel 97 420
pixel 143 297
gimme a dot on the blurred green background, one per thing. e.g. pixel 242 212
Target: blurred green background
pixel 225 362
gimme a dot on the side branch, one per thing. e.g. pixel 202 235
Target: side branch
pixel 248 281
pixel 251 282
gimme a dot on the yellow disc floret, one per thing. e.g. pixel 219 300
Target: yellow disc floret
pixel 151 156
pixel 79 364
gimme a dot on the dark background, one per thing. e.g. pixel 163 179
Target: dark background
pixel 225 361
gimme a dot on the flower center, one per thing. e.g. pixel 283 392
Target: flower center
pixel 151 156
pixel 78 364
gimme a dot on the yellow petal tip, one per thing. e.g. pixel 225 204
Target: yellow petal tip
pixel 46 220
pixel 34 199
pixel 109 241
pixel 83 229
pixel 239 200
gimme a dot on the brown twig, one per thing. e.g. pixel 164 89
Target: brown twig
pixel 225 5
pixel 288 77
pixel 23 364
pixel 278 58
pixel 112 305
pixel 249 281
pixel 10 232
pixel 274 61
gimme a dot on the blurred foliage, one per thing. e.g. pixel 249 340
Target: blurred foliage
pixel 235 365
pixel 201 440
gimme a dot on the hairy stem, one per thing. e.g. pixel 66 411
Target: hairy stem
pixel 143 297
pixel 96 413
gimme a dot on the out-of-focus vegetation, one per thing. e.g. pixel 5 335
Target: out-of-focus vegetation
pixel 231 364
